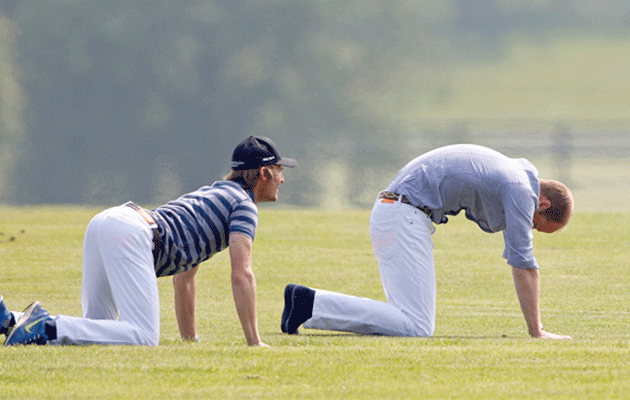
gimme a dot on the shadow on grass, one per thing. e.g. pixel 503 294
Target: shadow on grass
pixel 435 337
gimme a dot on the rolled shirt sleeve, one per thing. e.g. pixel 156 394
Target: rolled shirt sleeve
pixel 519 206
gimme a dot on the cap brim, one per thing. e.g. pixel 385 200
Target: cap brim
pixel 287 162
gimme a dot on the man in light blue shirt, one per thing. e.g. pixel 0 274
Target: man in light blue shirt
pixel 496 192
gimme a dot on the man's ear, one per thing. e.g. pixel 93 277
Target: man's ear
pixel 261 174
pixel 544 203
pixel 264 173
pixel 260 182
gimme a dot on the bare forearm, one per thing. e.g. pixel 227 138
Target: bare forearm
pixel 527 284
pixel 185 294
pixel 244 287
pixel 244 291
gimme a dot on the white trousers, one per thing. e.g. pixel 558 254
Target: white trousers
pixel 403 246
pixel 119 295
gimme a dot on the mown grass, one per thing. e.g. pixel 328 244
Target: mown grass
pixel 480 348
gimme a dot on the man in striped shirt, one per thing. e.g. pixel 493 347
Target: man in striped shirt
pixel 126 248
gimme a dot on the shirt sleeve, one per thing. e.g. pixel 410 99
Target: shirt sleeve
pixel 244 219
pixel 519 206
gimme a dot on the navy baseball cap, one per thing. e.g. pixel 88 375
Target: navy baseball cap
pixel 258 151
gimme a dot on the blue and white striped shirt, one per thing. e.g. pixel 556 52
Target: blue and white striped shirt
pixel 196 226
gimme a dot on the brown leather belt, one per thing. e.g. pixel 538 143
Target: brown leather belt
pixel 149 220
pixel 390 197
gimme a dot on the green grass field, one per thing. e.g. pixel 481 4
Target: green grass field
pixel 480 350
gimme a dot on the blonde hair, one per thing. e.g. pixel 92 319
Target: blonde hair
pixel 561 201
pixel 246 177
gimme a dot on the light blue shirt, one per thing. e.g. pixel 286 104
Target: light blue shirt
pixel 497 192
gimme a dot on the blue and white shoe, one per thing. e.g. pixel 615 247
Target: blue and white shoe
pixel 6 318
pixel 31 327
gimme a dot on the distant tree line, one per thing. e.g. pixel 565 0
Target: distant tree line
pixel 107 101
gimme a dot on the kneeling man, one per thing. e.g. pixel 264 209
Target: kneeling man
pixel 496 192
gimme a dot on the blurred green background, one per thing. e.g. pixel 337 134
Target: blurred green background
pixel 101 102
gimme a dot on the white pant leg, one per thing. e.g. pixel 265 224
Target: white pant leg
pixel 402 240
pixel 401 237
pixel 97 299
pixel 119 279
pixel 341 312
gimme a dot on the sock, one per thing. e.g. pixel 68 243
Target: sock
pixel 50 328
pixel 305 298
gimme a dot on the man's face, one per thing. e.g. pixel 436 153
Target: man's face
pixel 269 192
pixel 542 224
